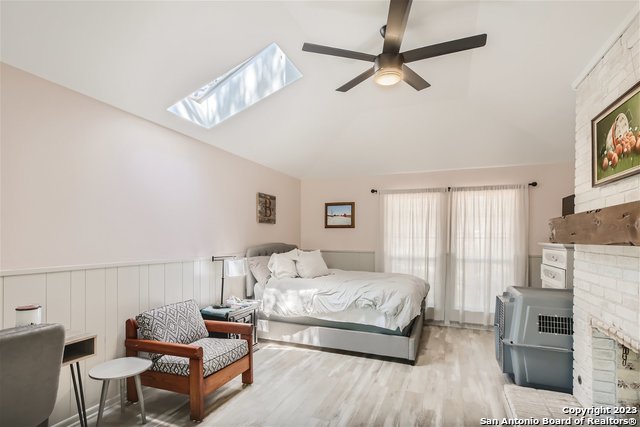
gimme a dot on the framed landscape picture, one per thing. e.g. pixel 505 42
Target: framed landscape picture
pixel 340 215
pixel 615 135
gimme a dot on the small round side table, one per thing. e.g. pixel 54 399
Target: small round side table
pixel 120 369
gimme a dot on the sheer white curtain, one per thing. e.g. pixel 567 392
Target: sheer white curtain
pixel 413 229
pixel 469 244
pixel 488 249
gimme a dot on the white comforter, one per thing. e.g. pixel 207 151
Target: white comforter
pixel 397 296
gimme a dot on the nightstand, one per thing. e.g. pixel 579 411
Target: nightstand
pixel 248 314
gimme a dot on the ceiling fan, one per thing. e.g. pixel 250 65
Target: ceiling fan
pixel 390 67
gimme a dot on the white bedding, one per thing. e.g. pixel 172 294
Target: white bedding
pixel 336 297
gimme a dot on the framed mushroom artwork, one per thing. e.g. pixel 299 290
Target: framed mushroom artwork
pixel 615 136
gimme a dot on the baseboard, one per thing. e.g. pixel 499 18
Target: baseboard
pixel 91 411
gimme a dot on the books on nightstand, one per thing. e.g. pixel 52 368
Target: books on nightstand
pixel 222 312
pixel 218 313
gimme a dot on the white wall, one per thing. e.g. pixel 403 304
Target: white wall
pixel 85 183
pixel 606 278
pixel 555 181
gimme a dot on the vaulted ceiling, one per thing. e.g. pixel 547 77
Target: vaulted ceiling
pixel 507 103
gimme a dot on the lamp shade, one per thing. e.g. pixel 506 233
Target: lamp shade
pixel 235 267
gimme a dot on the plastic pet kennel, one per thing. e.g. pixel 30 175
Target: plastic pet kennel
pixel 534 337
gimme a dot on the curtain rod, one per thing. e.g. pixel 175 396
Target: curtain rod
pixel 531 184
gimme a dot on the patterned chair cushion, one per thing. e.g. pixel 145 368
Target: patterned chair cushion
pixel 179 323
pixel 218 353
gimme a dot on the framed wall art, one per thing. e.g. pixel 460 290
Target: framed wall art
pixel 340 215
pixel 266 208
pixel 615 135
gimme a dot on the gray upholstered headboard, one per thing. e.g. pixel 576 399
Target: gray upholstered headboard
pixel 265 249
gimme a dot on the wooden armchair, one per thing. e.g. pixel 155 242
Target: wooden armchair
pixel 196 385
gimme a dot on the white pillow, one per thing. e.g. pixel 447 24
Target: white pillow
pixel 311 264
pixel 293 253
pixel 282 266
pixel 259 269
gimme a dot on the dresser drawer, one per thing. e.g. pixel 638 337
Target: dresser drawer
pixel 555 258
pixel 550 285
pixel 554 277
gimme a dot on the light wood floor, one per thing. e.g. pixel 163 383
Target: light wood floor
pixel 455 382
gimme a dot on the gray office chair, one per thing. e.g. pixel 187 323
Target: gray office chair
pixel 30 361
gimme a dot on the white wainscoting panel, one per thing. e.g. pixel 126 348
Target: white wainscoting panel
pixel 156 285
pixel 95 319
pixel 187 280
pixel 1 300
pixel 144 288
pixel 111 325
pixel 78 300
pixel 196 281
pixel 172 282
pixel 534 271
pixel 350 260
pixel 58 301
pixel 99 300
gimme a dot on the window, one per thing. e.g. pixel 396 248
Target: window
pixel 488 248
pixel 239 88
pixel 469 244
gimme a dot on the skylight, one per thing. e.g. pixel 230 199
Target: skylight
pixel 239 88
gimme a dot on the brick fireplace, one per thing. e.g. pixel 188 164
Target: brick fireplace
pixel 606 278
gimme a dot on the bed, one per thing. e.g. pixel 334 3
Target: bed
pixel 365 312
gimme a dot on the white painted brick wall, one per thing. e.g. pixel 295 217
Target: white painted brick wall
pixel 606 278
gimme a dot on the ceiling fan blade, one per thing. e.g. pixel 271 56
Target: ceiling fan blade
pixel 413 79
pixel 396 24
pixel 333 51
pixel 444 48
pixel 353 82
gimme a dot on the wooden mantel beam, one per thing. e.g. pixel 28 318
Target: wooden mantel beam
pixel 614 225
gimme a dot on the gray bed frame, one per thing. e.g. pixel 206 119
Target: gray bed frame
pixel 401 347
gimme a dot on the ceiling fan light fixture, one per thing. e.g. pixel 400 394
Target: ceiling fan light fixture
pixel 389 67
pixel 388 76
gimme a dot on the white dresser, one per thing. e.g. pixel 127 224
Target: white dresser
pixel 556 270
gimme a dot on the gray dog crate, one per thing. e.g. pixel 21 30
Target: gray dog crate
pixel 534 336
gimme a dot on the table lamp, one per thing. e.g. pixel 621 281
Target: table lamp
pixel 231 267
